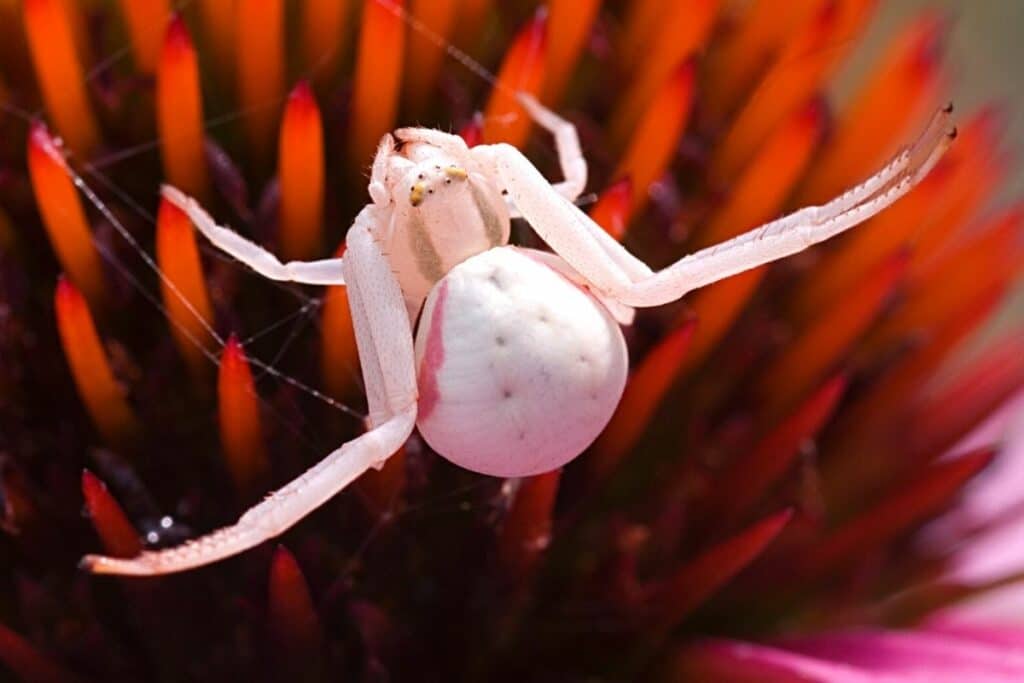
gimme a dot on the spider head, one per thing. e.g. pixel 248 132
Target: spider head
pixel 433 176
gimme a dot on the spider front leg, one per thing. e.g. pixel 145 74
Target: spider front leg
pixel 322 272
pixel 384 339
pixel 574 169
pixel 567 144
pixel 613 270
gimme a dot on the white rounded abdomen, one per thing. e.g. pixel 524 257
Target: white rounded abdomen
pixel 519 369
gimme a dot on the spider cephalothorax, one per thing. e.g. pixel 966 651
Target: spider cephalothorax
pixel 442 210
pixel 517 361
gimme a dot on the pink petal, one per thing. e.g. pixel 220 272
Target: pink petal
pixel 943 651
pixel 1010 637
pixel 920 655
pixel 729 661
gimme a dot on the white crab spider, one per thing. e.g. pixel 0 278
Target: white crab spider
pixel 518 360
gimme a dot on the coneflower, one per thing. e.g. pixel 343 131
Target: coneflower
pixel 780 494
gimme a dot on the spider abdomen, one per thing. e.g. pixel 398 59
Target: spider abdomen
pixel 519 369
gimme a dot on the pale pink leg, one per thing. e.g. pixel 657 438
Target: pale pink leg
pixel 323 272
pixel 384 338
pixel 378 173
pixel 567 145
pixel 571 234
pixel 574 168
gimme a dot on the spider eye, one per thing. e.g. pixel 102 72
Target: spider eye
pixel 416 193
pixel 454 172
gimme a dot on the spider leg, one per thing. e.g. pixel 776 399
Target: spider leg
pixel 611 268
pixel 379 171
pixel 574 167
pixel 322 272
pixel 384 338
pixel 774 241
pixel 567 145
pixel 622 314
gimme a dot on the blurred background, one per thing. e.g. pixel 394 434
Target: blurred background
pixel 985 52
